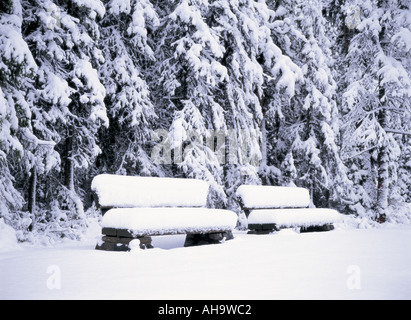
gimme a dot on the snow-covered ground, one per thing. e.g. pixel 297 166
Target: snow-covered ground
pixel 346 263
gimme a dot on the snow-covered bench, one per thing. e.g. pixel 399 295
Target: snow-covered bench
pixel 270 208
pixel 140 207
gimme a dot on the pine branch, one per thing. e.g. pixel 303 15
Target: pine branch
pixel 397 131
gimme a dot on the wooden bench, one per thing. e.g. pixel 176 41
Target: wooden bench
pixel 137 208
pixel 270 208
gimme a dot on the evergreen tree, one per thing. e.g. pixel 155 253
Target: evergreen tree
pixel 68 101
pixel 124 43
pixel 48 97
pixel 240 25
pixel 17 141
pixel 185 79
pixel 375 100
pixel 306 126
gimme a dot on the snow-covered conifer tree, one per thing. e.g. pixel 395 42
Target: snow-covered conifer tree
pixel 376 103
pixel 69 101
pixel 124 43
pixel 241 31
pixel 185 79
pixel 17 68
pixel 305 128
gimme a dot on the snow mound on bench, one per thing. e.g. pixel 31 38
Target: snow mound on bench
pixel 134 191
pixel 304 217
pixel 257 196
pixel 158 221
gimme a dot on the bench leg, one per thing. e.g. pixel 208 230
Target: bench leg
pixel 199 239
pixel 325 227
pixel 145 242
pixel 262 228
pixel 110 243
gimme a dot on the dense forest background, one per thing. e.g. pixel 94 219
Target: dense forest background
pixel 289 92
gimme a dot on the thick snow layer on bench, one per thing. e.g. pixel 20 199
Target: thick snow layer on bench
pixel 295 217
pixel 257 196
pixel 158 221
pixel 134 191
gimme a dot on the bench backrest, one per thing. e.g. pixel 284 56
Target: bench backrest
pixel 115 191
pixel 267 197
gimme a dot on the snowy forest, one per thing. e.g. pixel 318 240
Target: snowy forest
pixel 315 94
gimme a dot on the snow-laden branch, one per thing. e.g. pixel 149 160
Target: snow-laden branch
pixel 359 153
pixel 397 131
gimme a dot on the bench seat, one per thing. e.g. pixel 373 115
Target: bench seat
pixel 286 218
pixel 160 221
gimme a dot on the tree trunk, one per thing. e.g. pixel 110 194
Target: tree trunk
pixel 382 157
pixel 69 165
pixel 31 203
pixel 382 179
pixel 263 144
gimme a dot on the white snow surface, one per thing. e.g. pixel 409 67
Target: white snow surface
pixel 295 217
pixel 8 239
pixel 161 221
pixel 257 196
pixel 133 191
pixel 346 263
